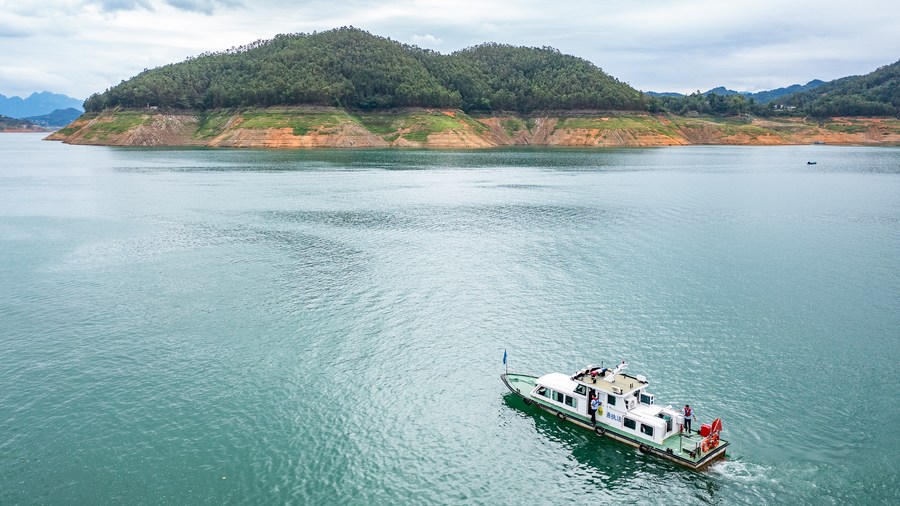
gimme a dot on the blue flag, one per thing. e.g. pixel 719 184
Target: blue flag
pixel 504 357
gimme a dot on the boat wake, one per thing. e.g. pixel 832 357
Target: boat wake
pixel 741 471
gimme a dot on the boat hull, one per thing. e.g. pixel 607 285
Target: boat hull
pixel 515 385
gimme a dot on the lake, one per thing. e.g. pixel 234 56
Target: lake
pixel 197 326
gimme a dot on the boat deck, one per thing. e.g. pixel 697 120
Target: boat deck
pixel 625 382
pixel 675 447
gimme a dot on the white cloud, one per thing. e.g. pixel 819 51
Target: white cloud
pixel 204 6
pixel 7 31
pixel 22 81
pixel 122 5
pixel 427 41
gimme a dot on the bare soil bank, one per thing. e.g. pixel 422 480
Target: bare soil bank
pixel 324 127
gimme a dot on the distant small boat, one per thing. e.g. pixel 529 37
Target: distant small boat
pixel 810 163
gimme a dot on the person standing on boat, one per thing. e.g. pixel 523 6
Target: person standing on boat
pixel 595 405
pixel 688 414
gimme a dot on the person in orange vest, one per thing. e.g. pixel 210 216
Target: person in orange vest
pixel 688 414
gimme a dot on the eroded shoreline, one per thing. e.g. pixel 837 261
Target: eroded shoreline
pixel 328 127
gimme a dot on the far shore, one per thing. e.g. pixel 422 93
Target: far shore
pixel 329 127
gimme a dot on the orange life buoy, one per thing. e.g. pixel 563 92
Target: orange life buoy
pixel 715 440
pixel 704 446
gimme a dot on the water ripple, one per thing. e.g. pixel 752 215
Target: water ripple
pixel 254 327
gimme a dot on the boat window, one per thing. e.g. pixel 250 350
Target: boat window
pixel 543 391
pixel 580 390
pixel 631 424
pixel 668 420
pixel 611 400
pixel 646 429
pixel 571 402
pixel 559 397
pixel 646 399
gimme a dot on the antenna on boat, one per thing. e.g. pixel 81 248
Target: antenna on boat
pixel 619 368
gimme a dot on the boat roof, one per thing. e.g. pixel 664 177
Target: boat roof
pixel 558 381
pixel 624 381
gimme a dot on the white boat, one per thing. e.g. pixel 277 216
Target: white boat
pixel 627 412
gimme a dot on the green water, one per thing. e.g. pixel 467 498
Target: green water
pixel 327 327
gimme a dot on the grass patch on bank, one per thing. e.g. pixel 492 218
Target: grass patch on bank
pixel 67 131
pixel 847 127
pixel 640 124
pixel 424 125
pixel 300 122
pixel 211 124
pixel 892 125
pixel 416 126
pixel 887 126
pixel 77 125
pixel 787 127
pixel 382 125
pixel 117 124
pixel 727 127
pixel 513 125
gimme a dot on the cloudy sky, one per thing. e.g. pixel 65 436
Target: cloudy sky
pixel 79 47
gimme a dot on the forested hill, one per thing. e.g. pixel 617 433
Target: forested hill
pixel 502 77
pixel 873 94
pixel 8 124
pixel 352 68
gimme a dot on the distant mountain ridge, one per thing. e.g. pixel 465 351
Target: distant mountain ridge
pixel 762 97
pixel 57 118
pixel 37 104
